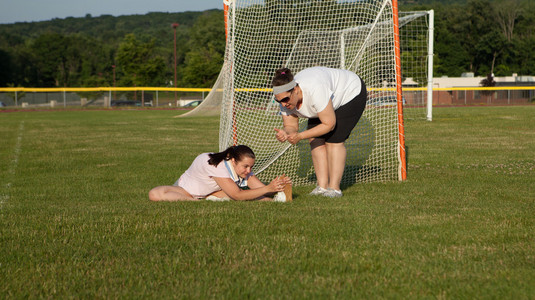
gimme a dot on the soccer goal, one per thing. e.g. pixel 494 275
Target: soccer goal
pixel 416 42
pixel 360 36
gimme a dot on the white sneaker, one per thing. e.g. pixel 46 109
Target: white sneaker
pixel 214 198
pixel 279 197
pixel 318 191
pixel 332 193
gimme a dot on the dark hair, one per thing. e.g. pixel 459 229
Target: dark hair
pixel 282 77
pixel 236 152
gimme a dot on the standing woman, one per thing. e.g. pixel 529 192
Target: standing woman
pixel 219 176
pixel 333 100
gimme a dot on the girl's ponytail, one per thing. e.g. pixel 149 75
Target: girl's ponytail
pixel 236 152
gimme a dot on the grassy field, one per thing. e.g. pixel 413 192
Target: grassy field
pixel 75 220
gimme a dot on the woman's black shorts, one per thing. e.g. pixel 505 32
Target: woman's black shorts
pixel 347 117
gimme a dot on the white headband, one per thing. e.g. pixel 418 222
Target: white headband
pixel 284 88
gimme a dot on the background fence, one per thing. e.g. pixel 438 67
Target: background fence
pixel 165 97
pixel 100 97
pixel 517 95
pixel 478 96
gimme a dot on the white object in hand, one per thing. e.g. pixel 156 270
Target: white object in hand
pixel 279 197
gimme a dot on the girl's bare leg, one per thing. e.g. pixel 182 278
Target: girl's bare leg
pixel 219 194
pixel 170 193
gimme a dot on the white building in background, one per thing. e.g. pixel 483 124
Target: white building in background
pixel 465 95
pixel 469 80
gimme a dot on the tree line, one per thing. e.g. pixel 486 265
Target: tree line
pixel 479 36
pixel 136 50
pixel 485 37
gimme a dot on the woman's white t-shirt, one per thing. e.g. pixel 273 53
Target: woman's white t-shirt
pixel 319 84
pixel 198 180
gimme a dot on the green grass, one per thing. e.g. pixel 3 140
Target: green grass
pixel 75 220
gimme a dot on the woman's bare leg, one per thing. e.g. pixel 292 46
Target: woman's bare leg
pixel 170 193
pixel 318 151
pixel 336 157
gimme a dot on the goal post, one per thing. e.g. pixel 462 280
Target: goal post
pixel 399 93
pixel 430 52
pixel 416 42
pixel 264 35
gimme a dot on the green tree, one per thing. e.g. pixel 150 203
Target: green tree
pixel 49 51
pixel 81 51
pixel 207 48
pixel 507 13
pixel 202 67
pixel 525 55
pixel 24 68
pixel 481 21
pixel 138 64
pixel 487 50
pixel 69 60
pixel 450 57
pixel 488 82
pixel 6 62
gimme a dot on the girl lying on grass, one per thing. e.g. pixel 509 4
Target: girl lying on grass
pixel 220 176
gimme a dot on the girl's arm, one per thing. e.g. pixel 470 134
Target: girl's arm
pixel 254 183
pixel 258 189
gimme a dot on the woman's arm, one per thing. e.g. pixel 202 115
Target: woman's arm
pixel 258 189
pixel 290 123
pixel 328 121
pixel 291 126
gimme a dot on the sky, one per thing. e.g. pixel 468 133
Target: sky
pixel 12 11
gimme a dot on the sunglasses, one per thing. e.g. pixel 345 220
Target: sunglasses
pixel 285 99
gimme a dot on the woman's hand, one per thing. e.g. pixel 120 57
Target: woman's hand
pixel 281 135
pixel 294 138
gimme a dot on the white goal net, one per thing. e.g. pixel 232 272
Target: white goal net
pixel 348 34
pixel 416 43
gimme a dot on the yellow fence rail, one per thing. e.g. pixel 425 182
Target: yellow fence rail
pixel 103 89
pixel 163 96
pixel 171 89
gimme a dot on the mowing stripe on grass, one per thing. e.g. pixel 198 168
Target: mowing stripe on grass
pixel 12 167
